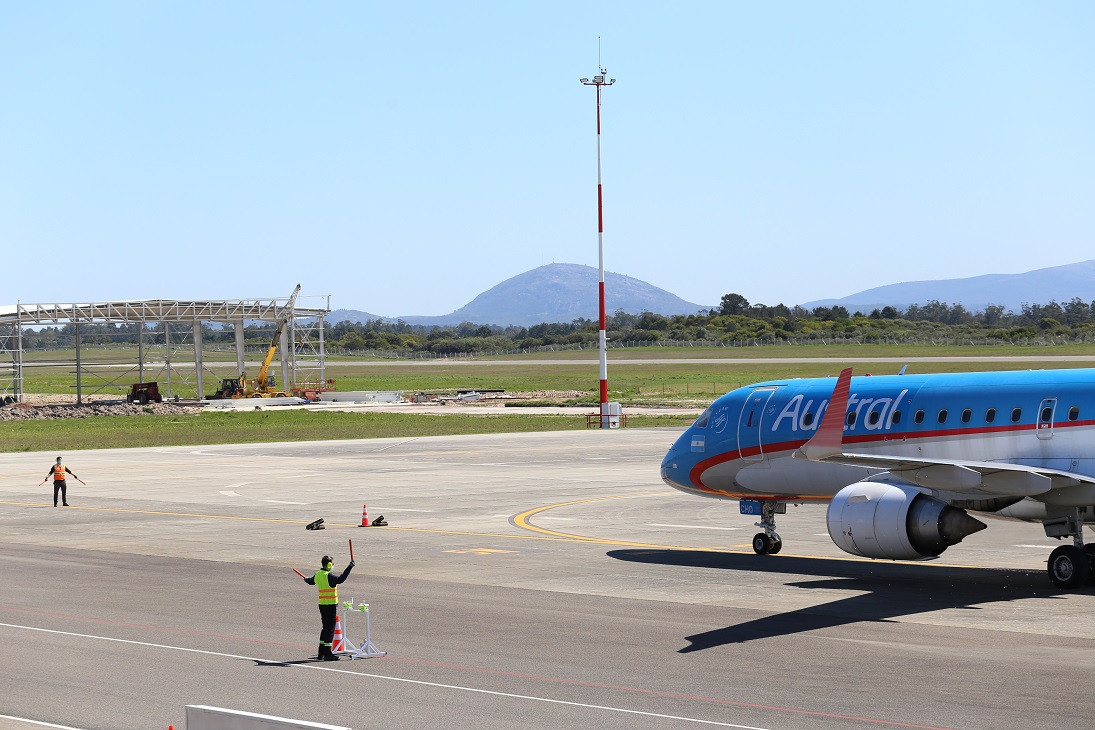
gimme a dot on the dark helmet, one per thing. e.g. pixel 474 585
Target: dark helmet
pixel 326 561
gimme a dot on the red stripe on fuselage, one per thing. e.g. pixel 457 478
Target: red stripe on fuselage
pixel 695 474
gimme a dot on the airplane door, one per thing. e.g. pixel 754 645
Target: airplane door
pixel 750 447
pixel 1044 426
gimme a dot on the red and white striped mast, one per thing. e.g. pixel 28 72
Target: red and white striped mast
pixel 598 82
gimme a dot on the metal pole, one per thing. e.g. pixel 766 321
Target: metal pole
pixel 322 358
pixel 602 338
pixel 19 353
pixel 238 328
pixel 140 352
pixel 79 383
pixel 167 357
pixel 198 362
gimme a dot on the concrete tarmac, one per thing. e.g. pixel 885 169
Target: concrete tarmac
pixel 529 580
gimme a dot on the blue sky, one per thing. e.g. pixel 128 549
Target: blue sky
pixel 404 157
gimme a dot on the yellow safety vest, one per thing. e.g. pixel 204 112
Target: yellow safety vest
pixel 58 472
pixel 327 592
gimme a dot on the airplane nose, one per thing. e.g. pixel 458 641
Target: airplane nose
pixel 672 467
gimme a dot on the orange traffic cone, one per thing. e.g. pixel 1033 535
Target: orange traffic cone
pixel 339 644
pixel 364 516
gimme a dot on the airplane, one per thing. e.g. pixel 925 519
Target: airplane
pixel 903 459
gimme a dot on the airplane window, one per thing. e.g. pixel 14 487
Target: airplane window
pixel 896 418
pixel 808 419
pixel 1073 413
pixel 872 417
pixel 851 418
pixel 919 417
pixel 1016 414
pixel 701 422
pixel 990 415
pixel 1047 413
pixel 943 416
pixel 966 415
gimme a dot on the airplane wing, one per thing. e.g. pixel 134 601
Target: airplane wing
pixel 985 477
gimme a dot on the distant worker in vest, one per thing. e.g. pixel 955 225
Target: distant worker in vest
pixel 57 471
pixel 327 581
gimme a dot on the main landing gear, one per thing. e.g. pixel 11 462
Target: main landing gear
pixel 769 541
pixel 1070 565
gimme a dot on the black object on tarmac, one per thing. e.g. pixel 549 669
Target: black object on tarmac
pixel 379 522
pixel 317 525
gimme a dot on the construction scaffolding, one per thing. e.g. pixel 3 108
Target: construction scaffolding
pixel 169 332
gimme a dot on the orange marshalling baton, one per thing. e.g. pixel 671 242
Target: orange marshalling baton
pixel 300 574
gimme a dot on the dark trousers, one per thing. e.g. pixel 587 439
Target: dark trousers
pixel 327 612
pixel 60 486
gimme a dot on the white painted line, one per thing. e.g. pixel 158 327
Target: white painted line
pixel 421 683
pixel 693 527
pixel 406 509
pixel 392 446
pixel 231 494
pixel 1036 547
pixel 279 501
pixel 38 723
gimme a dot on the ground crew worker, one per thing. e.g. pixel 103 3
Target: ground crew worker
pixel 327 581
pixel 57 471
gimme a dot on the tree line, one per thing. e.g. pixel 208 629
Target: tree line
pixel 736 321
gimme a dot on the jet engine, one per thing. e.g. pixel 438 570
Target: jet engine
pixel 880 520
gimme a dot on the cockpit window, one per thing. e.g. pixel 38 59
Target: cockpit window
pixel 701 422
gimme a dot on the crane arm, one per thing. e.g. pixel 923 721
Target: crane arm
pixel 286 314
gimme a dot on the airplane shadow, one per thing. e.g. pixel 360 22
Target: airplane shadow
pixel 889 590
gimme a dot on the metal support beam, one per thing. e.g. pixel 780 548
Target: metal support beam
pixel 198 357
pixel 322 354
pixel 239 347
pixel 79 382
pixel 284 357
pixel 167 354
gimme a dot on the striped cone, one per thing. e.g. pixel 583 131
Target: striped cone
pixel 338 645
pixel 364 516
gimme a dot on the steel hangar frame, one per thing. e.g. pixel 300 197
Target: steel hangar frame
pixel 305 361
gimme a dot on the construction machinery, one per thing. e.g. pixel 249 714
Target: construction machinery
pixel 263 385
pixel 143 393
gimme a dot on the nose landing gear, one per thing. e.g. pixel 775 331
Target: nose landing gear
pixel 769 542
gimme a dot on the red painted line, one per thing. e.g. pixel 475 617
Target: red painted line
pixel 505 673
pixel 904 436
pixel 600 211
pixel 601 303
pixel 663 693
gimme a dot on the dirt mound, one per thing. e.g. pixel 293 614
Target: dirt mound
pixel 25 411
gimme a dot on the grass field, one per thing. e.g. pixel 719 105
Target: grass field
pixel 106 432
pixel 662 379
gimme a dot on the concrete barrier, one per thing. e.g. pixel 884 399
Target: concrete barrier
pixel 361 396
pixel 202 717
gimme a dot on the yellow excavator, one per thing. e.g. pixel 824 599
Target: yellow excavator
pixel 262 386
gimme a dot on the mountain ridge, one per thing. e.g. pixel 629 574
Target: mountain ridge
pixel 975 293
pixel 549 293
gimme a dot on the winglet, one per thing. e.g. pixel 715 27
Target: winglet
pixel 830 434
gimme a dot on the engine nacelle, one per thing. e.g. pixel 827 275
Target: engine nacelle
pixel 880 520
